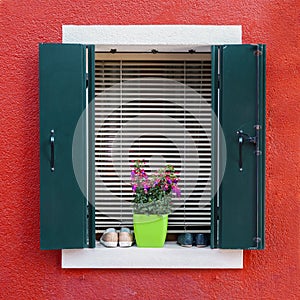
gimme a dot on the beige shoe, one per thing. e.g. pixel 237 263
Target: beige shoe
pixel 125 237
pixel 109 238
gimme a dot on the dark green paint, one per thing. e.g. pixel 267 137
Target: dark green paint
pixel 63 208
pixel 241 195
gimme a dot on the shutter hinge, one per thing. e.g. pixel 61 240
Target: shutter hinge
pixel 257 239
pixel 257 52
pixel 257 128
pixel 258 152
pixel 86 80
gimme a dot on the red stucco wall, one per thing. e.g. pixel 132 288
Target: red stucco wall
pixel 28 273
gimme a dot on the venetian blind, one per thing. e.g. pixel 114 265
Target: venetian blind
pixel 155 107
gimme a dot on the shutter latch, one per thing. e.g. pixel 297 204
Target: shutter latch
pixel 52 150
pixel 242 138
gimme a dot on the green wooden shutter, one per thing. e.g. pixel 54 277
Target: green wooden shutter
pixel 91 141
pixel 63 207
pixel 238 99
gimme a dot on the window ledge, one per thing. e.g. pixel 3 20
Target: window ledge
pixel 172 256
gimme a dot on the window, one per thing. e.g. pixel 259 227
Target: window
pixel 236 96
pixel 158 108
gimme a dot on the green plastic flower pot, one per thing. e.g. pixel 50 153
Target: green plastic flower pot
pixel 150 230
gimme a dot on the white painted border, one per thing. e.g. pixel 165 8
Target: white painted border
pixel 172 256
pixel 173 38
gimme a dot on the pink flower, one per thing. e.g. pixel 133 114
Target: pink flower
pixel 132 174
pixel 156 182
pixel 134 187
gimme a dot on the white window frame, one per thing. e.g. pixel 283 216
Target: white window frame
pixel 144 38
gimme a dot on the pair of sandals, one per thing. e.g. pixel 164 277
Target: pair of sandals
pixel 112 238
pixel 188 240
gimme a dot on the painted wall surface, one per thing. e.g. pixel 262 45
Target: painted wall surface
pixel 28 273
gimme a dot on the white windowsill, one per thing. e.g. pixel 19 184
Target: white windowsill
pixel 172 256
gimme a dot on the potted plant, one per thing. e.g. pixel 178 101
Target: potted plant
pixel 152 203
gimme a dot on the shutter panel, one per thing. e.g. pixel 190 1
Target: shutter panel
pixel 91 143
pixel 63 207
pixel 239 102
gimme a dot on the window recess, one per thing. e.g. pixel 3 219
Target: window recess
pixel 155 107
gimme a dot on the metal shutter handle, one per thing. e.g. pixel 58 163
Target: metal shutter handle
pixel 52 150
pixel 244 137
pixel 241 142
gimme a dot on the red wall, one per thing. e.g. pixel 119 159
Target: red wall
pixel 28 273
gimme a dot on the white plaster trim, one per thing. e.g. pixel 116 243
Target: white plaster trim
pixel 178 38
pixel 172 256
pixel 144 38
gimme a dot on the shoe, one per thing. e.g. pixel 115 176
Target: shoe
pixel 109 238
pixel 201 240
pixel 125 237
pixel 185 239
